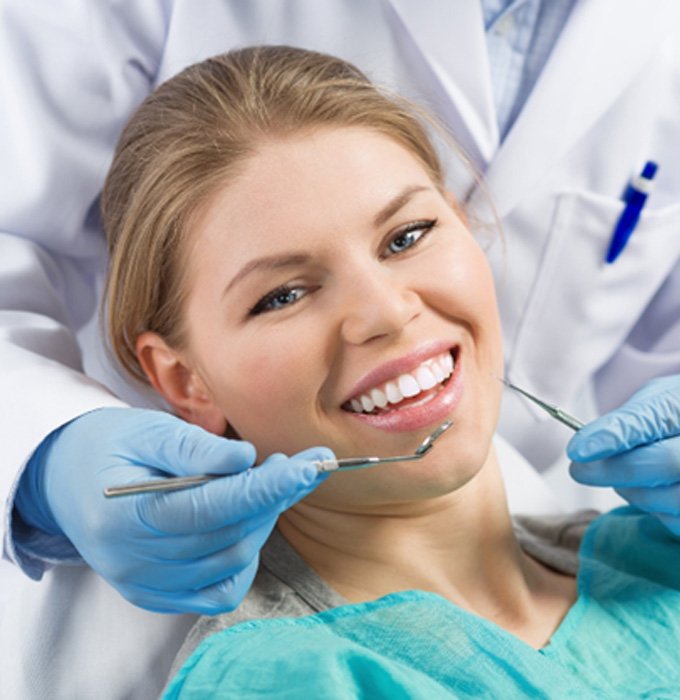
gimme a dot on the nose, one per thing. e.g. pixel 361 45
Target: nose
pixel 377 305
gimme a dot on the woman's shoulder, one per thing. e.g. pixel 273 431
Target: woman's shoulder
pixel 554 539
pixel 635 543
pixel 625 539
pixel 285 586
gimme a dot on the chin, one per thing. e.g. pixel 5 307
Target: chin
pixel 433 477
pixel 442 479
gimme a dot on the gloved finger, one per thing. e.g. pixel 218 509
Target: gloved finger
pixel 221 597
pixel 179 548
pixel 660 500
pixel 651 414
pixel 657 386
pixel 312 454
pixel 180 448
pixel 197 573
pixel 269 488
pixel 653 465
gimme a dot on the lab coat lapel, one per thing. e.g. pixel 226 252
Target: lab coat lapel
pixel 602 48
pixel 468 106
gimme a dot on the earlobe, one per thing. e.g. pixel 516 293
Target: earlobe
pixel 178 383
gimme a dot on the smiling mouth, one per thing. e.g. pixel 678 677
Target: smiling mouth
pixel 407 389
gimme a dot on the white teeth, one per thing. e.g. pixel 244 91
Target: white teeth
pixel 428 375
pixel 393 393
pixel 408 386
pixel 425 378
pixel 447 362
pixel 438 372
pixel 378 398
pixel 367 404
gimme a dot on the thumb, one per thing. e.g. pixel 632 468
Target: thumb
pixel 268 490
pixel 645 418
pixel 278 482
pixel 296 477
pixel 312 454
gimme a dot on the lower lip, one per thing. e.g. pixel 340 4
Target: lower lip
pixel 434 410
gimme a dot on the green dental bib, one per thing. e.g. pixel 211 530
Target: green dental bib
pixel 621 639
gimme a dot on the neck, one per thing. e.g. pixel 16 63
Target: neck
pixel 461 546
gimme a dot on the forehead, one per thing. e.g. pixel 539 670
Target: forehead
pixel 321 178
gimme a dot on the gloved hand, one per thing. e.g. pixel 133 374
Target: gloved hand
pixel 636 449
pixel 194 550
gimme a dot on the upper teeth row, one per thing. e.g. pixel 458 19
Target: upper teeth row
pixel 424 377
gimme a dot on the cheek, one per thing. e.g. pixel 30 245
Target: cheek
pixel 265 388
pixel 466 295
pixel 257 383
pixel 461 283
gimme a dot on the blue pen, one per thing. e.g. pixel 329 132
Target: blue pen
pixel 636 197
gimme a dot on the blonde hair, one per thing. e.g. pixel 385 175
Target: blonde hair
pixel 195 133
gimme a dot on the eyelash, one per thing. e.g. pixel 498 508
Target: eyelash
pixel 264 305
pixel 425 226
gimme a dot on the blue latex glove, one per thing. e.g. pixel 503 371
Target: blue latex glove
pixel 194 550
pixel 636 449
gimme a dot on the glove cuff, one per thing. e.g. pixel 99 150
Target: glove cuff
pixel 30 501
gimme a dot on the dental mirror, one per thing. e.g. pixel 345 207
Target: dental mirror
pixel 325 465
pixel 350 463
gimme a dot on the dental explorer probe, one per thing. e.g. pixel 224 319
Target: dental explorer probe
pixel 557 413
pixel 324 465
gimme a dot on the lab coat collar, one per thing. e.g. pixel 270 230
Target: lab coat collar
pixel 467 105
pixel 603 47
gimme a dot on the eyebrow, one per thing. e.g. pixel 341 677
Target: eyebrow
pixel 396 203
pixel 270 263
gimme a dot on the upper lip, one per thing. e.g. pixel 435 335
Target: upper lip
pixel 401 365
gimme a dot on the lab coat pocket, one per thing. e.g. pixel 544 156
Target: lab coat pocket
pixel 581 309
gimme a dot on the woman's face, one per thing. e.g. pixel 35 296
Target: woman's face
pixel 337 298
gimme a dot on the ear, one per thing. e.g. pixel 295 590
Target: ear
pixel 178 383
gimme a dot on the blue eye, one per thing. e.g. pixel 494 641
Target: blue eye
pixel 279 298
pixel 409 236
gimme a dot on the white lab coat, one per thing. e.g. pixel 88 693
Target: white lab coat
pixel 577 331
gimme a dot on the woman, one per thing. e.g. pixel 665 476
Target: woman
pixel 288 268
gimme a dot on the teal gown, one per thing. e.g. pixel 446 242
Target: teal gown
pixel 620 639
